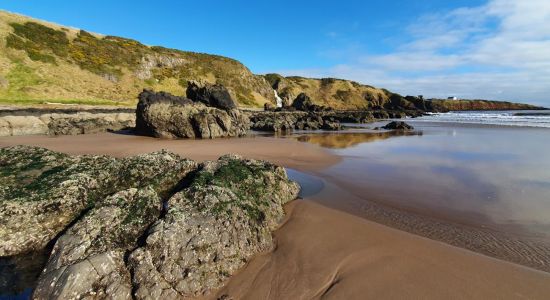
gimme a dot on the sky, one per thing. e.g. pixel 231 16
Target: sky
pixel 489 49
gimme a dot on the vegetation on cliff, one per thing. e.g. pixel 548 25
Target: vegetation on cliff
pixel 42 62
pixel 447 105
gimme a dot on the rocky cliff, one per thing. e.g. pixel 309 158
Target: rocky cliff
pixel 447 105
pixel 151 226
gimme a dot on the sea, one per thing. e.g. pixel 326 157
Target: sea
pixel 526 118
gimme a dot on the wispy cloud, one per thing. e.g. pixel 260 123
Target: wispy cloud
pixel 500 50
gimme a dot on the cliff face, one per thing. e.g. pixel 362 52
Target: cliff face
pixel 43 62
pixel 446 105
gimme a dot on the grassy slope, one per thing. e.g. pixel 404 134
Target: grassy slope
pixel 59 64
pixel 336 93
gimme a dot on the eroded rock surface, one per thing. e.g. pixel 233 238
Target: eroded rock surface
pixel 167 116
pixel 63 121
pixel 148 227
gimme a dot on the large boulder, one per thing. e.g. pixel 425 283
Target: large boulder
pixel 168 116
pixel 212 228
pixel 214 95
pixel 154 226
pixel 302 102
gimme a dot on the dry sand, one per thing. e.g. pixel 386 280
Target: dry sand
pixel 325 253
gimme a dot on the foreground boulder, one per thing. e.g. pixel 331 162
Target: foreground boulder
pixel 398 125
pixel 214 95
pixel 152 226
pixel 167 116
pixel 212 228
pixel 43 191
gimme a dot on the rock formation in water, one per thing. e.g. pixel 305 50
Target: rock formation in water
pixel 167 116
pixel 327 120
pixel 150 226
pixel 287 121
pixel 397 125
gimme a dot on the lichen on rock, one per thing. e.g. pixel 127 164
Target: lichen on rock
pixel 151 226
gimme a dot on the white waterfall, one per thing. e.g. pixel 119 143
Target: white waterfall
pixel 279 100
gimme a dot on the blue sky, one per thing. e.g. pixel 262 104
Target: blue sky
pixel 497 49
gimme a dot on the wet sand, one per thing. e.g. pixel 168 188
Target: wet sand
pixel 322 252
pixel 285 152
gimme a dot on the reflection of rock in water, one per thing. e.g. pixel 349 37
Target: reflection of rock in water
pixel 345 140
pixel 18 274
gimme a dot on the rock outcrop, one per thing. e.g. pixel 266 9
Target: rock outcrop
pixel 44 191
pixel 215 95
pixel 397 125
pixel 151 226
pixel 287 121
pixel 327 120
pixel 63 121
pixel 168 116
pixel 304 103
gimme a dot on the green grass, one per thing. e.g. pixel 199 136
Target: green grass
pixel 110 56
pixel 28 101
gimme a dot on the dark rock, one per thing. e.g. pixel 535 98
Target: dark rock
pixel 215 95
pixel 302 102
pixel 287 121
pixel 269 107
pixel 167 116
pixel 398 125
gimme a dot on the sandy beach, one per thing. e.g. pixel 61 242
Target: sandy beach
pixel 326 253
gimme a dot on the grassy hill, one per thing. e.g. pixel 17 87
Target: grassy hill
pixel 44 62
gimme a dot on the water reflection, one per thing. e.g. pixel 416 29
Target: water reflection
pixel 348 139
pixel 489 177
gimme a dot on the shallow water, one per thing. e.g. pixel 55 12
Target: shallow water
pixel 525 118
pixel 488 176
pixel 18 274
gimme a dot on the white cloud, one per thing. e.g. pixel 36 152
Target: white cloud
pixel 500 50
